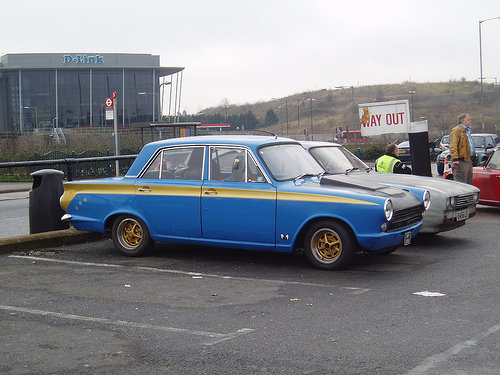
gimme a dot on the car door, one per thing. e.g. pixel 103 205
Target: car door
pixel 487 179
pixel 169 192
pixel 238 201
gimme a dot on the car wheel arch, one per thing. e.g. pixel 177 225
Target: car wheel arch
pixel 108 223
pixel 299 240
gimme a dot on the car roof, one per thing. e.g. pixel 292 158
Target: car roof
pixel 310 144
pixel 485 134
pixel 251 141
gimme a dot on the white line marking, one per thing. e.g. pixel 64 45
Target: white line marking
pixel 214 338
pixel 352 290
pixel 434 360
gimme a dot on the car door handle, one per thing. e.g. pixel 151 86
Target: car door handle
pixel 144 189
pixel 210 192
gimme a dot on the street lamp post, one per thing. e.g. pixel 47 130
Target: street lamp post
pixel 281 114
pixel 481 68
pixel 281 118
pixel 36 116
pixel 160 98
pixel 298 116
pixel 150 93
pixel 412 93
pixel 496 99
pixel 353 108
pixel 286 116
pixel 311 106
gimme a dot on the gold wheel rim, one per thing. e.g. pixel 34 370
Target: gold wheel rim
pixel 327 246
pixel 131 233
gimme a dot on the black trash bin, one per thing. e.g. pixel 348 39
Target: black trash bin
pixel 45 211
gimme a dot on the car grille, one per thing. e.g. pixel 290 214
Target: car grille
pixel 464 200
pixel 405 218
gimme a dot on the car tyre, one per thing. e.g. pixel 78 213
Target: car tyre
pixel 440 169
pixel 329 245
pixel 131 235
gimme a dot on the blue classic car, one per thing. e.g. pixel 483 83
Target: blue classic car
pixel 251 192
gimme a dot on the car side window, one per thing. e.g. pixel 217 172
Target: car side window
pixel 233 164
pixel 254 172
pixel 184 163
pixel 154 169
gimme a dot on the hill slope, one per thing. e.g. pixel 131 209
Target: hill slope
pixel 439 103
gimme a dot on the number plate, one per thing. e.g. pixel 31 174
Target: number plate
pixel 462 214
pixel 407 239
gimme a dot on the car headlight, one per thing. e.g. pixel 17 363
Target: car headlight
pixel 476 198
pixel 451 202
pixel 388 210
pixel 427 199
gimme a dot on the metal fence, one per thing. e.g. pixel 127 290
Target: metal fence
pixel 81 170
pixel 73 167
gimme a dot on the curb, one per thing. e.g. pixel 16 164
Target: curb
pixel 14 190
pixel 48 239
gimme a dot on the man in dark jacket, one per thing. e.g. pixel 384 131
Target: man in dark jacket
pixel 389 163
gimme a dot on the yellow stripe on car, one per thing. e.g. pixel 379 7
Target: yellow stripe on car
pixel 320 198
pixel 193 191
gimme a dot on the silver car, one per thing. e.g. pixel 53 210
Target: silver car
pixel 452 202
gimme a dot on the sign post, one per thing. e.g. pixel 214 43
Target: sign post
pixel 419 146
pixel 115 129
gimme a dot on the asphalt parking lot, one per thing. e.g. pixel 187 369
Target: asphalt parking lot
pixel 430 308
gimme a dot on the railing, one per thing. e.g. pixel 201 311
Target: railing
pixel 71 163
pixel 89 169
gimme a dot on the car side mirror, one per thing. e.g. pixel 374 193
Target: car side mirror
pixel 483 160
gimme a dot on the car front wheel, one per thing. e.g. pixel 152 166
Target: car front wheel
pixel 131 236
pixel 329 245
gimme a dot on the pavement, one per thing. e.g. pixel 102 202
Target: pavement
pixel 20 190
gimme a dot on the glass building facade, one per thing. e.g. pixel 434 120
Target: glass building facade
pixel 43 91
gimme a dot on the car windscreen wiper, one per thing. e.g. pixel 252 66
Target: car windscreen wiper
pixel 351 169
pixel 304 175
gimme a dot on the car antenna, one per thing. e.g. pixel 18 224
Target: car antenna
pixel 265 132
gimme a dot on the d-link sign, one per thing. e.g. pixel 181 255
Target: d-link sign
pixel 83 59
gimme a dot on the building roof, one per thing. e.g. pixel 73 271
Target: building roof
pixel 78 61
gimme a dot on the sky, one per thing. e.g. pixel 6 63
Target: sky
pixel 249 51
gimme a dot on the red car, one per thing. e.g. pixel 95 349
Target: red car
pixel 486 178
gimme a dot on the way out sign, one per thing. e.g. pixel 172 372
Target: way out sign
pixel 384 117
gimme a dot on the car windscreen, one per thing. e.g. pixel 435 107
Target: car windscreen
pixel 494 162
pixel 336 159
pixel 478 141
pixel 289 161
